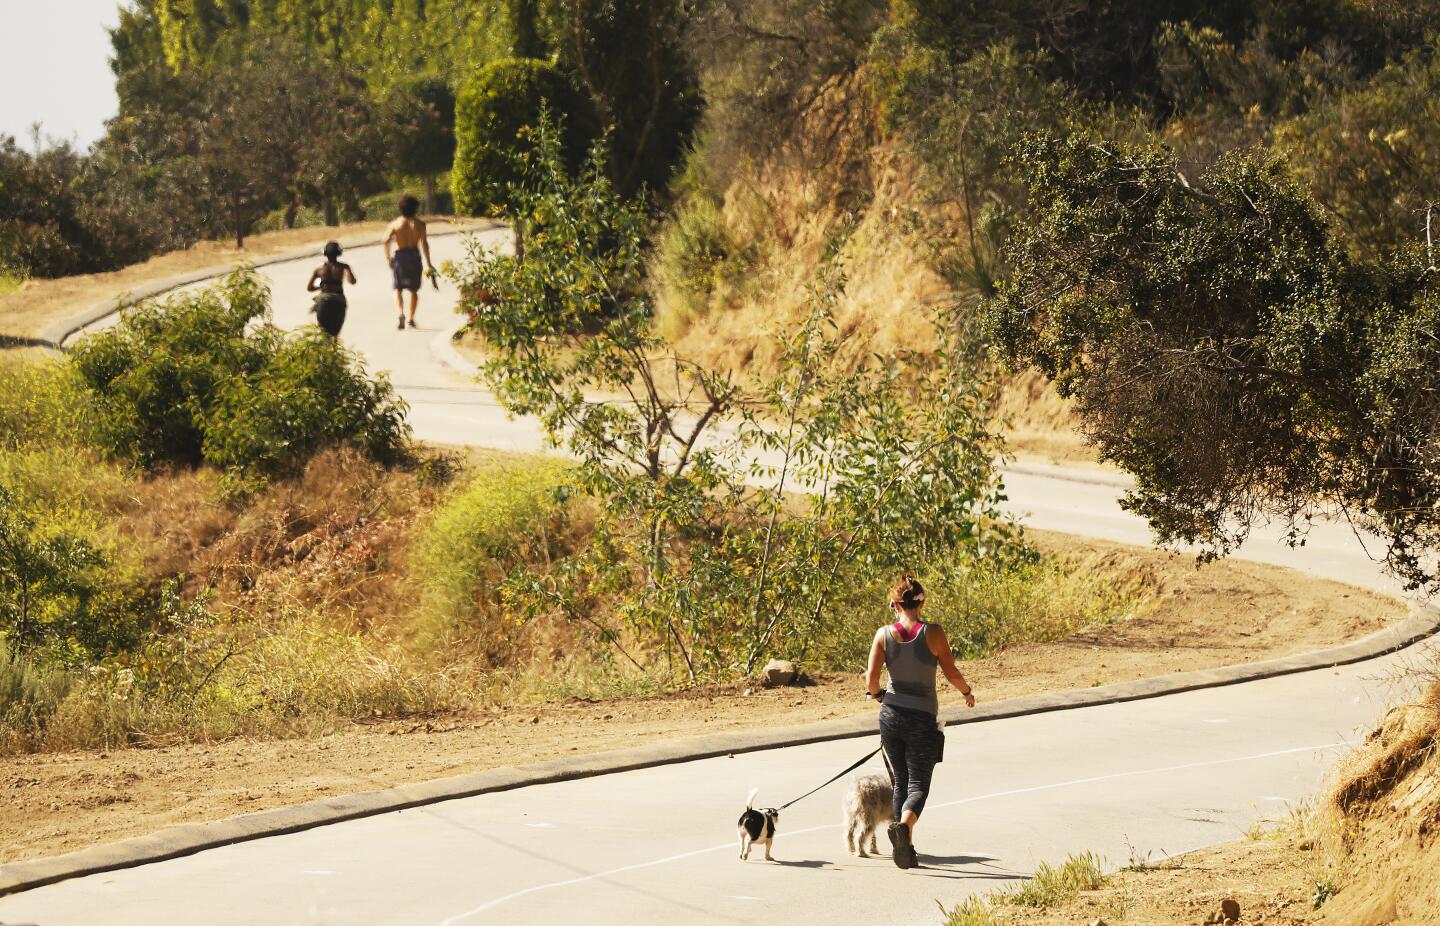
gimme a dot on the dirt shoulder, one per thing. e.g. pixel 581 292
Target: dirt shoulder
pixel 26 312
pixel 1271 877
pixel 1201 617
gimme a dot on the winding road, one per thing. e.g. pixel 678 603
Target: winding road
pixel 1135 780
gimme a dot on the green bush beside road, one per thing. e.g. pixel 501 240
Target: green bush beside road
pixel 494 112
pixel 205 378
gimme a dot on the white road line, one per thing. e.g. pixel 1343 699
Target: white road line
pixel 490 905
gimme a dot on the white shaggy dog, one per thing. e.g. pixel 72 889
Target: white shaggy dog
pixel 756 827
pixel 868 805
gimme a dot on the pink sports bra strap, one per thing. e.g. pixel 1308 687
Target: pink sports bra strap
pixel 903 636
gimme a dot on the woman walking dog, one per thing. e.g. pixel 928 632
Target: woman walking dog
pixel 911 650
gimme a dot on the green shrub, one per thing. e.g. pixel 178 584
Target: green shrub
pixel 311 393
pixel 46 578
pixel 972 911
pixel 156 373
pixel 43 402
pixel 1051 886
pixel 696 254
pixel 485 528
pixel 493 112
pixel 202 378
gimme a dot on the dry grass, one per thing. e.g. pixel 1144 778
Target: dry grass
pixel 1382 826
pixel 779 218
pixel 787 216
pixel 1408 739
pixel 332 540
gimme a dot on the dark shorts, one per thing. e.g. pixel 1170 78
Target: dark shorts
pixel 407 269
pixel 330 312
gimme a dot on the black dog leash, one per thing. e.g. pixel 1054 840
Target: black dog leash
pixel 861 761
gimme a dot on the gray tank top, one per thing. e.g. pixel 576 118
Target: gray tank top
pixel 912 672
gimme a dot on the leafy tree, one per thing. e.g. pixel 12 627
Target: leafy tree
pixel 50 226
pixel 45 577
pixel 342 156
pixel 146 164
pixel 187 145
pixel 1221 346
pixel 646 97
pixel 524 17
pixel 1372 155
pixel 961 122
pixel 494 115
pixel 241 121
pixel 1108 49
pixel 421 130
pixel 764 65
pixel 701 561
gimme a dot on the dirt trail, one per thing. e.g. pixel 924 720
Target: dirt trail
pixel 1220 614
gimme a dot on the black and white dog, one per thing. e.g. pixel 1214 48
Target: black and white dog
pixel 756 826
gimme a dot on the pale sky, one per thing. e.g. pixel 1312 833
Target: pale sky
pixel 55 68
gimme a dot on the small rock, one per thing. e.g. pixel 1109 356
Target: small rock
pixel 778 672
pixel 1097 922
pixel 1230 910
pixel 747 692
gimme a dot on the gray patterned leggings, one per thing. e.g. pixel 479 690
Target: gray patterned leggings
pixel 912 743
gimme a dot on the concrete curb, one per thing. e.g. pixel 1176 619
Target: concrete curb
pixel 188 839
pixel 55 334
pixel 1098 477
pixel 442 347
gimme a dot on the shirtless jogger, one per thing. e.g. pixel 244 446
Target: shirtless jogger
pixel 407 235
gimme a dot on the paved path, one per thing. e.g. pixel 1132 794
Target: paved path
pixel 1141 779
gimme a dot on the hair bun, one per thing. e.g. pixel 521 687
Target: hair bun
pixel 908 592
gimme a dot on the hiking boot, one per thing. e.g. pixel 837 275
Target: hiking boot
pixel 401 326
pixel 412 323
pixel 900 849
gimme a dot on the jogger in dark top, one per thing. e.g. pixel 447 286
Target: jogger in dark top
pixel 330 278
